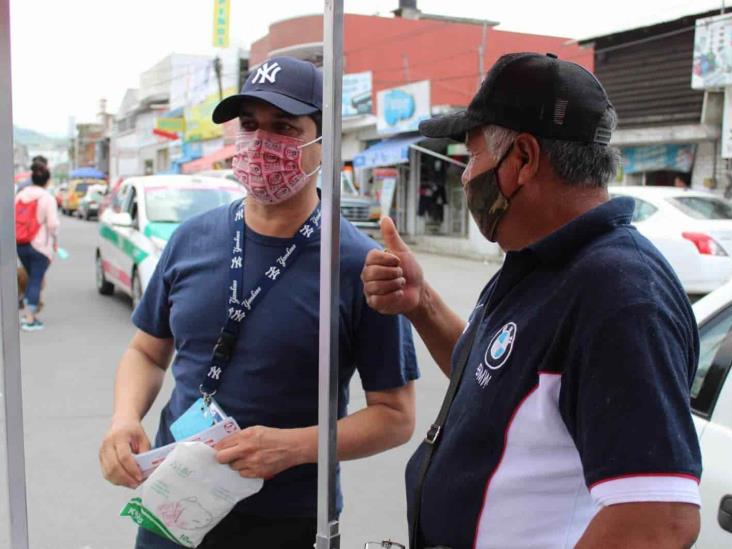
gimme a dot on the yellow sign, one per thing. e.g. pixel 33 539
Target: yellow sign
pixel 171 124
pixel 199 126
pixel 221 23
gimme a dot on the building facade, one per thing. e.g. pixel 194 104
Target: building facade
pixel 398 71
pixel 668 132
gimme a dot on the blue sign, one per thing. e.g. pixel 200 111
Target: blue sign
pixel 398 106
pixel 678 158
pixel 402 109
pixel 357 91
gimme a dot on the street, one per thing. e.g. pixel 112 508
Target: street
pixel 68 375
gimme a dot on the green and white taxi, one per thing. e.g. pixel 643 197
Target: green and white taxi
pixel 150 209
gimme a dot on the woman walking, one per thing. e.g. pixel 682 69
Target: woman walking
pixel 36 234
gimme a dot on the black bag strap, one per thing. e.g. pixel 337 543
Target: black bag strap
pixel 433 435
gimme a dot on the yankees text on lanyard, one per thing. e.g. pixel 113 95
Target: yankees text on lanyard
pixel 240 305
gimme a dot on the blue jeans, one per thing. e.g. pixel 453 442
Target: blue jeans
pixel 36 265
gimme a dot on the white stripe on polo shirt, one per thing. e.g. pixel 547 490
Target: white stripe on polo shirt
pixel 537 498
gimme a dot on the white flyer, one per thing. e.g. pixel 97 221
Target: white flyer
pixel 149 461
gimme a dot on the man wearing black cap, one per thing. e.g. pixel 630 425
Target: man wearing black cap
pixel 236 296
pixel 567 421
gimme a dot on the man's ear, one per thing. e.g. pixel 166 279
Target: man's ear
pixel 529 154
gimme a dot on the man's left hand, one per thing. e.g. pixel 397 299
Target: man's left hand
pixel 260 452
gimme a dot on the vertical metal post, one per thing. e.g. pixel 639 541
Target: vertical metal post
pixel 11 394
pixel 328 536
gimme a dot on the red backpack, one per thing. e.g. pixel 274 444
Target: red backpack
pixel 26 221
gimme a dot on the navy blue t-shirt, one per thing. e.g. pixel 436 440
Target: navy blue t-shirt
pixel 575 394
pixel 272 379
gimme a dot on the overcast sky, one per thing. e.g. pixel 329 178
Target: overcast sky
pixel 67 54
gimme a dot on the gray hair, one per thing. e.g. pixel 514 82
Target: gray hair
pixel 575 163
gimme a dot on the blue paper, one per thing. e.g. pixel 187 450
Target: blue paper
pixel 62 253
pixel 194 420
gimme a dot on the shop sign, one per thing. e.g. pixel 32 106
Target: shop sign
pixel 357 90
pixel 221 23
pixel 198 123
pixel 712 58
pixel 678 158
pixel 402 109
pixel 171 124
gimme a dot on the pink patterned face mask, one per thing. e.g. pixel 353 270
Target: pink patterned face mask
pixel 269 165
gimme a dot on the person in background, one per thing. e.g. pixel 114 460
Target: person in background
pixel 38 161
pixel 36 233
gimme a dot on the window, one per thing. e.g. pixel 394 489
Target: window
pixel 702 207
pixel 715 357
pixel 643 210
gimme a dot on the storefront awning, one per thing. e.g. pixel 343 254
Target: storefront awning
pixel 386 153
pixel 207 162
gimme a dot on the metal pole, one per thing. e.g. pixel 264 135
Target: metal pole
pixel 328 536
pixel 12 391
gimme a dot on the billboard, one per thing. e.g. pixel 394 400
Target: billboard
pixel 357 91
pixel 727 124
pixel 402 109
pixel 712 60
pixel 198 123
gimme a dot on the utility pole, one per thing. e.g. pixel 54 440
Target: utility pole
pixel 217 70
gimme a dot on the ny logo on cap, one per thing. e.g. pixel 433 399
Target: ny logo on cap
pixel 267 73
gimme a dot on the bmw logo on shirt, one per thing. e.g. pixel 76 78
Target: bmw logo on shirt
pixel 500 348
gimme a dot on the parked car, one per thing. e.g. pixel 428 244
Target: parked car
pixel 89 204
pixel 362 211
pixel 74 193
pixel 711 403
pixel 693 230
pixel 130 241
pixel 227 174
pixel 59 193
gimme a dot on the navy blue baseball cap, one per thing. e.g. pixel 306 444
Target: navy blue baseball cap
pixel 290 84
pixel 534 93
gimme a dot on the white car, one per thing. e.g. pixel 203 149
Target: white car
pixel 131 240
pixel 711 403
pixel 692 229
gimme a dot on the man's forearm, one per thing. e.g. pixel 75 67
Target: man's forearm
pixel 641 525
pixel 136 385
pixel 365 433
pixel 438 326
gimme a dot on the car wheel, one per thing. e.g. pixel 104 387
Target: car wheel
pixel 136 289
pixel 87 216
pixel 104 287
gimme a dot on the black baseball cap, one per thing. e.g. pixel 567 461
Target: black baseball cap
pixel 534 93
pixel 290 84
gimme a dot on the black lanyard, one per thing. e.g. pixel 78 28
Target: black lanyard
pixel 240 305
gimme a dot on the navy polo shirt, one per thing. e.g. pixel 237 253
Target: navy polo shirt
pixel 272 379
pixel 575 394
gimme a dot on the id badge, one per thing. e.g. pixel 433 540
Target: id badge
pixel 195 419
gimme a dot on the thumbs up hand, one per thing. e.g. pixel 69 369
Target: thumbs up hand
pixel 392 279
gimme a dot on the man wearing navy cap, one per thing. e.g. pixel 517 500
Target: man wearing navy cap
pixel 567 420
pixel 236 296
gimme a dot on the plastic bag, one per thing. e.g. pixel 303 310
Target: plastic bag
pixel 189 494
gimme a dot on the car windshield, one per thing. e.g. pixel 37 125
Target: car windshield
pixel 82 187
pixel 702 207
pixel 176 204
